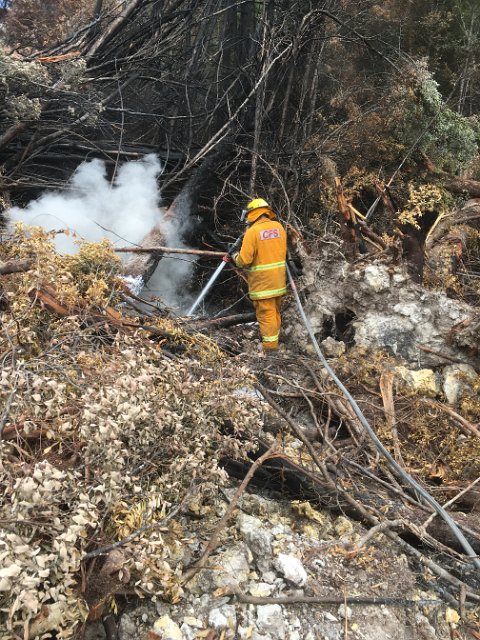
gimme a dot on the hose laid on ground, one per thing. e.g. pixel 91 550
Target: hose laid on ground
pixel 376 441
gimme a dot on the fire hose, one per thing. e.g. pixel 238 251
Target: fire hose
pixel 376 441
pixel 440 511
pixel 214 276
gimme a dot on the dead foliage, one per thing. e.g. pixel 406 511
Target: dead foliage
pixel 104 436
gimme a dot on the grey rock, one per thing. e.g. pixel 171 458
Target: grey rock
pixel 424 629
pixel 223 617
pixel 95 632
pixel 230 567
pixel 332 348
pixel 291 568
pixel 269 577
pixel 345 612
pixel 127 628
pixel 187 632
pixel 328 631
pixel 330 617
pixel 258 539
pixel 270 620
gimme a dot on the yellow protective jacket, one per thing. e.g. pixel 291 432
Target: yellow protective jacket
pixel 263 253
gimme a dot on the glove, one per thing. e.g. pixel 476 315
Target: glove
pixel 227 258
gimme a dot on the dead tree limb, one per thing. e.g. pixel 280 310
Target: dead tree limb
pixel 193 252
pixel 15 266
pixel 462 186
pixel 300 599
pixel 222 323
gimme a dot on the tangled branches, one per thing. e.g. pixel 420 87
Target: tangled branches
pixel 102 436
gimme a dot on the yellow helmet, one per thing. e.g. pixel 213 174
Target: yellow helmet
pixel 256 204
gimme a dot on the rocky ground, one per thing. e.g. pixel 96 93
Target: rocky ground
pixel 279 549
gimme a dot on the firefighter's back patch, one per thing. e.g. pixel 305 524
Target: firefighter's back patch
pixel 269 234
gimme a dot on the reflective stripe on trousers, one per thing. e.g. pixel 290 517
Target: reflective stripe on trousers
pixel 269 319
pixel 268 293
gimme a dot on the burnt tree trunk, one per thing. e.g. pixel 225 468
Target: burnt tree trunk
pixel 143 265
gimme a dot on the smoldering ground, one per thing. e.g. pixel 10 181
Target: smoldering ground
pixel 123 210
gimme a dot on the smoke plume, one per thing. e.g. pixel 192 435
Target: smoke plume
pixel 93 208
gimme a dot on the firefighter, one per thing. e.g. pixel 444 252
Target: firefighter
pixel 263 253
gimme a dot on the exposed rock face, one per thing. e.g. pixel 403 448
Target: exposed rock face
pixel 386 310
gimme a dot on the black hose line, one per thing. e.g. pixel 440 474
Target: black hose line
pixel 376 441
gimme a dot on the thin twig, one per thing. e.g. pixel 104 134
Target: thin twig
pixel 301 599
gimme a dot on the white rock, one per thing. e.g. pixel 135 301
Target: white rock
pixel 295 623
pixel 330 617
pixel 377 277
pixel 270 620
pixel 455 378
pixel 191 621
pixel 291 568
pixel 223 617
pixel 269 577
pixel 345 612
pixel 260 589
pixel 167 629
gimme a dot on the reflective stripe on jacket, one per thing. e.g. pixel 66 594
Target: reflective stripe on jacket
pixel 263 253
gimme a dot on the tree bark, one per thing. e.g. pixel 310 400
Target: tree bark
pixel 462 186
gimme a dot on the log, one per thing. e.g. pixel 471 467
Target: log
pixel 13 131
pixel 15 266
pixel 462 186
pixel 469 215
pixel 352 231
pixel 143 266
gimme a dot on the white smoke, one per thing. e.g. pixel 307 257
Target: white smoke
pixel 93 208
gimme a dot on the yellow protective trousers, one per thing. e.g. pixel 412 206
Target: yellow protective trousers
pixel 269 319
